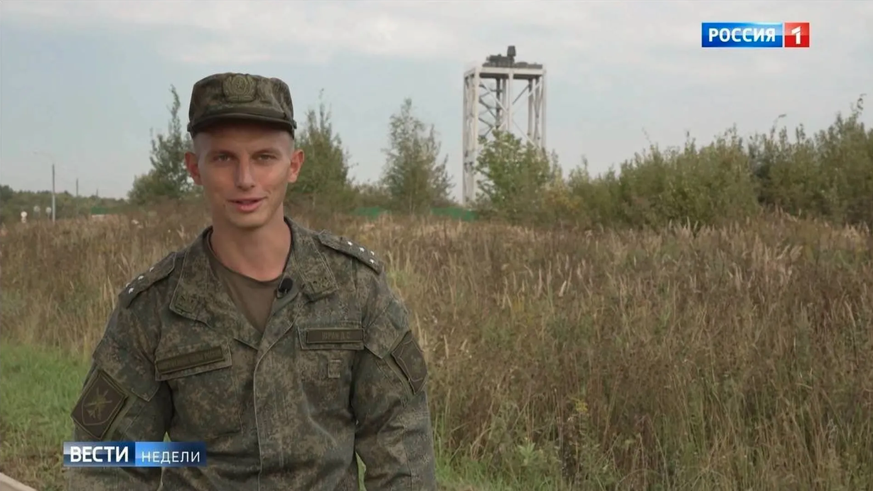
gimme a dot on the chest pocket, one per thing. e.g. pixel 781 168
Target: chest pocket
pixel 205 393
pixel 328 351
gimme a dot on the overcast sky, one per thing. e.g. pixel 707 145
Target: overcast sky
pixel 86 81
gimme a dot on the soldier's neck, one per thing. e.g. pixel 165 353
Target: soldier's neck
pixel 259 254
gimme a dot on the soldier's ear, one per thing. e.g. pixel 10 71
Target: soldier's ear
pixel 297 158
pixel 193 169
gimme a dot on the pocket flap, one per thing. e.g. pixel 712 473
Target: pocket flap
pixel 192 360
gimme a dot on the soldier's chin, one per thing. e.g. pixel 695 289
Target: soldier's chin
pixel 248 221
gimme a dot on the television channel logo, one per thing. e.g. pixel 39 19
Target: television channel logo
pixel 754 35
pixel 134 454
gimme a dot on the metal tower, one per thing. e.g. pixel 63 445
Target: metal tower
pixel 489 104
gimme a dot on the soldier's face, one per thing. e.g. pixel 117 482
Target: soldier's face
pixel 245 170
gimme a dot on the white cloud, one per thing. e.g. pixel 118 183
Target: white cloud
pixel 648 49
pixel 572 35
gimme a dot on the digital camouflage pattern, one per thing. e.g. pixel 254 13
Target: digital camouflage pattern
pixel 336 371
pixel 240 96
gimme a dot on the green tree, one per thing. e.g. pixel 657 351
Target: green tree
pixel 413 176
pixel 324 178
pixel 168 178
pixel 6 194
pixel 513 176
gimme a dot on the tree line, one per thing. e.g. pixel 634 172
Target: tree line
pixel 827 174
pixel 414 178
pixel 38 203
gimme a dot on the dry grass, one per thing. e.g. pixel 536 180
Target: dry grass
pixel 733 358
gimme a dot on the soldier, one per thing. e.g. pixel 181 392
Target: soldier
pixel 282 348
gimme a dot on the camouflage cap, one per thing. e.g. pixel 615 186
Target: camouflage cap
pixel 240 96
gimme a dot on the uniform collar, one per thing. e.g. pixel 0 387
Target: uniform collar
pixel 200 295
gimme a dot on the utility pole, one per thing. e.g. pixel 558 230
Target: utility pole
pixel 53 192
pixel 52 159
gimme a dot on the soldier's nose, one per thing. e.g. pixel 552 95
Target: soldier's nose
pixel 244 178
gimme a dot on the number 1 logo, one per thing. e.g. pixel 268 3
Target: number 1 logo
pixel 796 34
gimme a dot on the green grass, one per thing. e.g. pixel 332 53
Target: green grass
pixel 38 388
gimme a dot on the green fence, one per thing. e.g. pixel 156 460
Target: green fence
pixel 456 213
pixel 371 212
pixel 462 214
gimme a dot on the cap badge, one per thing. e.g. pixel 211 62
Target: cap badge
pixel 239 88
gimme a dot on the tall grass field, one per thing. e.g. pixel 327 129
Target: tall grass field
pixel 700 320
pixel 685 358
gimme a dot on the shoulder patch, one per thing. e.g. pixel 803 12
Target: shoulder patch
pixel 142 282
pixel 99 405
pixel 350 248
pixel 410 358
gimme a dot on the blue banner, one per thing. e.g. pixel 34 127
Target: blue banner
pixel 134 454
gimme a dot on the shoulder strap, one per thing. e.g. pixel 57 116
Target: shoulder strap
pixel 144 281
pixel 352 249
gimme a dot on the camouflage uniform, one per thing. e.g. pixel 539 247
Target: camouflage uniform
pixel 335 371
